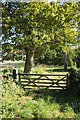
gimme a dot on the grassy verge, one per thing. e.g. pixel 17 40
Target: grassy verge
pixel 37 103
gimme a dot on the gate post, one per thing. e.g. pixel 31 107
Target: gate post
pixel 19 77
pixel 67 82
pixel 14 74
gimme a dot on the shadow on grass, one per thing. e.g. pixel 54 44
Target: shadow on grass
pixel 57 70
pixel 62 97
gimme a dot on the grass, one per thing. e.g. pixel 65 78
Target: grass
pixel 33 104
pixel 37 103
pixel 38 69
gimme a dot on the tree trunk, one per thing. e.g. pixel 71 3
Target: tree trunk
pixel 65 61
pixel 28 61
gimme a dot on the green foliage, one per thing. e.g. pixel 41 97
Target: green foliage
pixel 73 77
pixel 16 104
pixel 5 71
pixel 55 56
pixel 74 81
pixel 79 78
pixel 34 25
pixel 10 94
pixel 77 50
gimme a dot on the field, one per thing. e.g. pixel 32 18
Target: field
pixel 36 103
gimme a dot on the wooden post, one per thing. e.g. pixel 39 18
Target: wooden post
pixel 14 74
pixel 19 77
pixel 67 82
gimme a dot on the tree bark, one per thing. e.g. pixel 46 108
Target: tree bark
pixel 65 61
pixel 28 61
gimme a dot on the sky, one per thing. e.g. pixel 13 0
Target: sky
pixel 26 0
pixel 61 1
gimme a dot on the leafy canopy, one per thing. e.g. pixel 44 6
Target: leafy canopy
pixel 33 25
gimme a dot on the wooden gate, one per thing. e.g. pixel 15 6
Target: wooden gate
pixel 51 81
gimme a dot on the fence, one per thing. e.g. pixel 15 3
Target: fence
pixel 52 81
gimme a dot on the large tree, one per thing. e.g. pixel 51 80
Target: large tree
pixel 33 26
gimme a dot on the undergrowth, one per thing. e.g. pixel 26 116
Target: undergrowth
pixel 33 104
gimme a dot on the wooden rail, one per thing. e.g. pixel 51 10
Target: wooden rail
pixel 55 81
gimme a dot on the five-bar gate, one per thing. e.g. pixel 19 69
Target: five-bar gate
pixel 51 81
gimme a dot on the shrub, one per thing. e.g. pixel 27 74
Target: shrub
pixel 5 71
pixel 79 81
pixel 73 78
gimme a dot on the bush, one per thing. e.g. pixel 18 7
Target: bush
pixel 79 81
pixel 74 79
